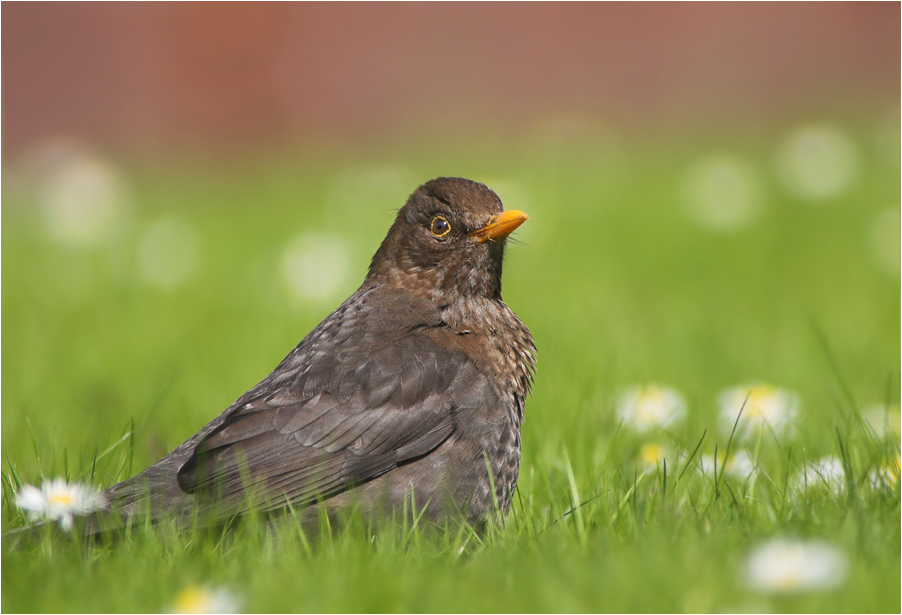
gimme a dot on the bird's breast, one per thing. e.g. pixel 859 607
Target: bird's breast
pixel 498 343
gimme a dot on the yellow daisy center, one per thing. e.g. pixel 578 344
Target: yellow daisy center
pixel 891 469
pixel 651 453
pixel 757 396
pixel 649 401
pixel 789 581
pixel 192 600
pixel 65 499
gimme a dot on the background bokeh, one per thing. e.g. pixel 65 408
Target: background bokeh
pixel 228 77
pixel 714 201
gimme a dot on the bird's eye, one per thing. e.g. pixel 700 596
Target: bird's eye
pixel 439 227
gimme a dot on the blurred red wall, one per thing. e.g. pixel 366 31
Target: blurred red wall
pixel 231 74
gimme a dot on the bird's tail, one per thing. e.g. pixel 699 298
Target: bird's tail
pixel 148 497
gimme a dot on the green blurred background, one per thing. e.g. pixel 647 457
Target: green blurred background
pixel 713 195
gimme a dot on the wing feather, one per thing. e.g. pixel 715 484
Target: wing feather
pixel 338 424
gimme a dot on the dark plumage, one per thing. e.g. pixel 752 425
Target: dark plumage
pixel 412 386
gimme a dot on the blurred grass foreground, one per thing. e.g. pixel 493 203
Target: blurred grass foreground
pixel 666 281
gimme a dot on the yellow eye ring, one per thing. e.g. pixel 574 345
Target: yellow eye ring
pixel 439 227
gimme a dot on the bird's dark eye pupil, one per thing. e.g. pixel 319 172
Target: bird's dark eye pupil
pixel 440 226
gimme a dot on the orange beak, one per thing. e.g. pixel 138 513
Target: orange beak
pixel 500 226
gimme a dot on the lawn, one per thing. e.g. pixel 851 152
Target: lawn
pixel 663 277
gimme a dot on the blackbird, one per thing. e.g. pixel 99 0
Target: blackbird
pixel 412 391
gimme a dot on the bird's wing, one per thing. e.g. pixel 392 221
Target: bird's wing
pixel 338 423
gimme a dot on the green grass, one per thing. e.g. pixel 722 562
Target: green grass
pixel 619 288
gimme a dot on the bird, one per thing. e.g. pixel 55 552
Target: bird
pixel 412 392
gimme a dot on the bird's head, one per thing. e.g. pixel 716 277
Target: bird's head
pixel 447 240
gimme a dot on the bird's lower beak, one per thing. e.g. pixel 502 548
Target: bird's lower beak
pixel 500 226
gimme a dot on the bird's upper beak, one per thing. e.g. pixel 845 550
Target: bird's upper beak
pixel 500 226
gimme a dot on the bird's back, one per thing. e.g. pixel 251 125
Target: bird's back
pixel 390 396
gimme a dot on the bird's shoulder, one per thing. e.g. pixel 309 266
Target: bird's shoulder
pixel 371 323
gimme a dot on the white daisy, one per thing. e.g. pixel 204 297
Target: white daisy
pixel 826 472
pixel 203 599
pixel 722 193
pixel 85 199
pixel 789 566
pixel 739 465
pixel 652 406
pixel 59 501
pixel 652 455
pixel 886 476
pixel 315 268
pixel 818 162
pixel 762 407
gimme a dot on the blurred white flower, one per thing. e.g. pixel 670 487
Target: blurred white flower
pixel 790 566
pixel 58 500
pixel 722 193
pixel 884 421
pixel 651 406
pixel 169 252
pixel 765 407
pixel 651 455
pixel 886 245
pixel 886 476
pixel 824 473
pixel 739 464
pixel 817 161
pixel 83 198
pixel 315 267
pixel 203 599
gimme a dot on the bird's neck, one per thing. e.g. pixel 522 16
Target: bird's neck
pixel 476 314
pixel 440 286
